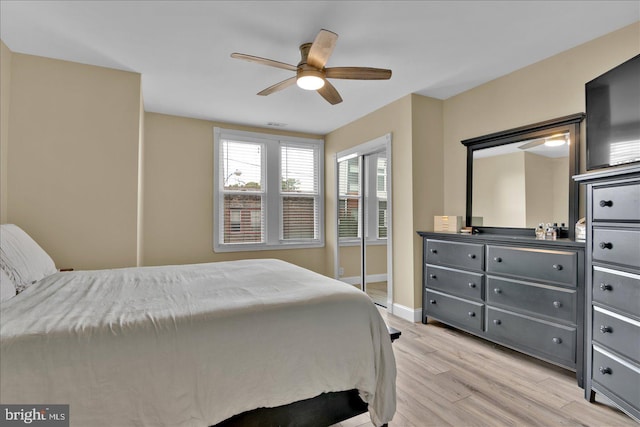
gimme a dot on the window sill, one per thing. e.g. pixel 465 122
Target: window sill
pixel 372 242
pixel 252 247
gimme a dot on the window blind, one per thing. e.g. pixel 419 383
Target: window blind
pixel 349 198
pixel 299 190
pixel 268 191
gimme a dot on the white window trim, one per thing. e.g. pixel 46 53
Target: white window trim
pixel 272 215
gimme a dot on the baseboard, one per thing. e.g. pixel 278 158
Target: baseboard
pixel 408 314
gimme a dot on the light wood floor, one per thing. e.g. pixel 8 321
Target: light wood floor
pixel 449 378
pixel 377 291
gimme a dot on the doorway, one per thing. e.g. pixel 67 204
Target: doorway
pixel 363 187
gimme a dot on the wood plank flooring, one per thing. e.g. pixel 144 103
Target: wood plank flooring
pixel 447 377
pixel 377 291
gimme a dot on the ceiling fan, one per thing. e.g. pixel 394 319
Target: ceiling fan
pixel 311 73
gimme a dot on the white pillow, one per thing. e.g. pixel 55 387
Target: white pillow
pixel 24 261
pixel 7 289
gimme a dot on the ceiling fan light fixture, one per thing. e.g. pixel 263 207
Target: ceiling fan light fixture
pixel 556 141
pixel 310 80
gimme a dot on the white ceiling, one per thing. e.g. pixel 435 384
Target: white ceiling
pixel 182 48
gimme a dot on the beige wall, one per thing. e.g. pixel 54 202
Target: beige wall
pixel 540 190
pixel 520 190
pixel 72 173
pixel 560 212
pixel 394 118
pixel 551 88
pixel 350 260
pixel 5 96
pixel 427 172
pixel 73 133
pixel 178 196
pixel 415 123
pixel 499 190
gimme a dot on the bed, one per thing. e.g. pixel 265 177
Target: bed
pixel 190 345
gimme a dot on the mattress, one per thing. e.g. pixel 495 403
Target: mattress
pixel 191 345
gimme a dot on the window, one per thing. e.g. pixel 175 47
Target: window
pixel 267 191
pixel 381 195
pixel 349 198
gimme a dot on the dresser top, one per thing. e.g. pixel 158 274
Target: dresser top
pixel 619 172
pixel 502 238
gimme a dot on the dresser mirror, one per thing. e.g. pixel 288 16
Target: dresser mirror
pixel 519 178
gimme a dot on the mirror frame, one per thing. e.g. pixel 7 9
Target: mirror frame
pixel 568 124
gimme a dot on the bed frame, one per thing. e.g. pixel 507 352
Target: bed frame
pixel 323 410
pixel 320 411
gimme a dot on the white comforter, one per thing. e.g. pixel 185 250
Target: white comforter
pixel 191 345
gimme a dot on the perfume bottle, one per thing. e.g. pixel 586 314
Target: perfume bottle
pixel 540 233
pixel 549 232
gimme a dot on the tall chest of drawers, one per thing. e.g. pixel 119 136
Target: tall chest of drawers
pixel 613 287
pixel 520 292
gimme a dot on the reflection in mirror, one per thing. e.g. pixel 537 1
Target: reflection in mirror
pixel 522 184
pixel 376 227
pixel 529 182
pixel 362 211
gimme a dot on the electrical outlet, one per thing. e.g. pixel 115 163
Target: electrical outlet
pixel 340 271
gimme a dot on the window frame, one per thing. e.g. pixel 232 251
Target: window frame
pixel 272 194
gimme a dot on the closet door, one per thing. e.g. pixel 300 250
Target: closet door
pixel 375 226
pixel 363 230
pixel 350 213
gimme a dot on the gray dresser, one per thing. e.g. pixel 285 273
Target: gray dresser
pixel 613 287
pixel 517 291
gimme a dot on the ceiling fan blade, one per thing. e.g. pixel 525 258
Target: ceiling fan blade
pixel 321 48
pixel 358 73
pixel 278 86
pixel 264 61
pixel 532 144
pixel 330 93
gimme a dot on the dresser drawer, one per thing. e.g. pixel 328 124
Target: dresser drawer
pixel 619 334
pixel 458 312
pixel 549 301
pixel 617 246
pixel 461 283
pixel 620 203
pixel 617 375
pixel 465 255
pixel 617 289
pixel 538 264
pixel 554 342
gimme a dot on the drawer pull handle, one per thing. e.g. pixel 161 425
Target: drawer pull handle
pixel 605 287
pixel 557 266
pixel 557 304
pixel 606 329
pixel 497 259
pixel 497 291
pixel 432 301
pixel 557 340
pixel 472 256
pixel 472 314
pixel 606 245
pixel 606 203
pixel 433 251
pixel 472 285
pixel 497 321
pixel 433 276
pixel 605 371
